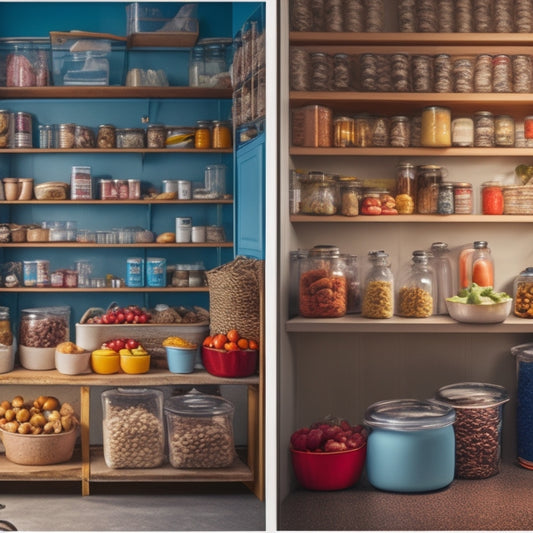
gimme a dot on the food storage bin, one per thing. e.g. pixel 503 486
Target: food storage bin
pixel 200 431
pixel 41 329
pixel 478 424
pixel 410 446
pixel 312 126
pixel 133 428
pixel 51 190
pixel 86 58
pixel 319 194
pixel 25 62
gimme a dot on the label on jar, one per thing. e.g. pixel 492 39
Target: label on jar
pixel 156 272
pixel 135 272
pixel 81 184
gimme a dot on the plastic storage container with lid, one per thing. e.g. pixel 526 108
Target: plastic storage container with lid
pixel 410 446
pixel 318 194
pixel 416 288
pixel 378 291
pixel 27 62
pixel 323 286
pixel 133 428
pixel 200 431
pixel 478 425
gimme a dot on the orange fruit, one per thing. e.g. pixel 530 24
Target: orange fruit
pixel 242 343
pixel 253 345
pixel 208 341
pixel 233 335
pixel 219 340
pixel 230 346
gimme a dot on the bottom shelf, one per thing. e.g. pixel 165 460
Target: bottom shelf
pixel 501 502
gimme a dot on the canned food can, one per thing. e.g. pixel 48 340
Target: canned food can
pixel 22 122
pixel 29 273
pixel 135 272
pixel 134 189
pixel 156 272
pixel 183 229
pixel 43 272
pixel 170 185
pixel 108 190
pixel 122 189
pixel 184 190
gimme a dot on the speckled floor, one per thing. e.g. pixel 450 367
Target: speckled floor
pixel 503 502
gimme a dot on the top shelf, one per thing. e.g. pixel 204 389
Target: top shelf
pixel 114 92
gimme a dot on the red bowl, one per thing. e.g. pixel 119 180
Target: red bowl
pixel 328 470
pixel 232 364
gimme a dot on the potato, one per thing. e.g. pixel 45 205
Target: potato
pixel 50 404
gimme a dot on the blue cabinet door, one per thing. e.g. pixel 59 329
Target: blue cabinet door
pixel 250 199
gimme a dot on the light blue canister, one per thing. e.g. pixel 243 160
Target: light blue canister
pixel 411 445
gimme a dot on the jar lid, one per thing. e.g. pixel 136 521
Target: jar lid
pixel 472 395
pixel 524 351
pixel 527 272
pixel 324 250
pixel 409 415
pixel 133 392
pixel 195 403
pixel 462 185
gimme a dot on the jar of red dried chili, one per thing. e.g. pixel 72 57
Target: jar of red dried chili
pixel 492 198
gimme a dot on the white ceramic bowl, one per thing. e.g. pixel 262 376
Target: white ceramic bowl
pixel 7 359
pixel 37 358
pixel 479 313
pixel 73 363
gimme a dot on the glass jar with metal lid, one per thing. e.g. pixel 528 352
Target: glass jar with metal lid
pixel 504 130
pixel 221 134
pixel 106 137
pixel 202 135
pixel 410 445
pixel 484 129
pixel 523 294
pixel 478 424
pixel 156 136
pixel 436 126
pixel 429 178
pixel 400 131
pixel 344 132
pixel 318 194
pixel 323 287
pixel 362 130
pixel 445 202
pixel 350 193
pixel 405 188
pixel 462 131
pixel 416 288
pixel 491 198
pixel 378 291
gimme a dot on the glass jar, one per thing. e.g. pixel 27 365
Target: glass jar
pixel 44 327
pixel 380 132
pixel 476 265
pixel 214 60
pixel 484 129
pixel 463 198
pixel 528 127
pixel 350 192
pixel 441 264
pixel 221 136
pixel 200 430
pixel 428 178
pixel 524 404
pixel 318 194
pixel 411 445
pixel 478 424
pixel 321 71
pixel 106 136
pixel 6 333
pixel 378 293
pixel 156 136
pixel 463 75
pixel 504 130
pixel 362 131
pixel 399 131
pixel 342 69
pixel 133 428
pixel 436 126
pixel 405 188
pixel 523 294
pixel 445 201
pixel 491 198
pixel 483 74
pixel 353 304
pixel 130 138
pixel 196 66
pixel 343 131
pixel 416 288
pixel 502 76
pixel 422 73
pixel 462 131
pixel 323 288
pixel 296 258
pixel 202 135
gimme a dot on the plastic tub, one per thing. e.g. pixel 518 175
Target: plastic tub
pixel 181 360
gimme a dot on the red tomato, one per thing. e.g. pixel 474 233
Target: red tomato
pixel 371 210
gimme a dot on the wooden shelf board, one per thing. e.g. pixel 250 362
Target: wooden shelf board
pixel 115 202
pixel 424 219
pixel 433 324
pixel 238 471
pixel 155 377
pixel 103 289
pixel 74 244
pixel 26 151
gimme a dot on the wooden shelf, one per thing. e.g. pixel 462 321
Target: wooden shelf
pixel 116 202
pixel 87 92
pixel 420 219
pixel 57 290
pixel 26 151
pixel 74 244
pixel 433 324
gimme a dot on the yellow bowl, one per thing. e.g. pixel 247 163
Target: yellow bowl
pixel 105 364
pixel 135 364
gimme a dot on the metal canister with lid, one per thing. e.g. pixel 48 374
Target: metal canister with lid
pixel 323 288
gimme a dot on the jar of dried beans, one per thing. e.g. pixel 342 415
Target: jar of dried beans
pixel 323 287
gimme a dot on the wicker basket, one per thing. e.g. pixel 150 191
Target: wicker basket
pixel 518 200
pixel 235 297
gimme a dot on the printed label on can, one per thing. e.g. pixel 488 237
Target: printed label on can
pixel 135 272
pixel 183 229
pixel 29 275
pixel 156 272
pixel 43 272
pixel 184 190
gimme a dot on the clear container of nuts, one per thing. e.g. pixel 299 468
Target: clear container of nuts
pixel 44 327
pixel 200 431
pixel 133 428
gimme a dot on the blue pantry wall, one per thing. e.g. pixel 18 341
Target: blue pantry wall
pixel 134 107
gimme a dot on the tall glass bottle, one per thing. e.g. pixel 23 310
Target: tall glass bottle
pixel 476 265
pixel 415 293
pixel 378 296
pixel 441 264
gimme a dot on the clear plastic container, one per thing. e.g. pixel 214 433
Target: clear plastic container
pixel 215 180
pixel 416 294
pixel 442 268
pixel 27 62
pixel 478 425
pixel 318 194
pixel 44 327
pixel 378 292
pixel 200 431
pixel 133 428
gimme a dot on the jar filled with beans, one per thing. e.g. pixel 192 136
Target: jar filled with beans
pixel 378 292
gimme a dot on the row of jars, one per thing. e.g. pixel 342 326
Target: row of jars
pixel 424 16
pixel 401 72
pixel 434 126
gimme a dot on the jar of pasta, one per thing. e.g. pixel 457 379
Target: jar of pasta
pixel 323 287
pixel 378 293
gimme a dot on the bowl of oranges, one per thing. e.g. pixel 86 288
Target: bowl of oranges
pixel 229 355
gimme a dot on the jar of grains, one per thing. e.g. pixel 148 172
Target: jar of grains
pixel 323 268
pixel 462 131
pixel 399 131
pixel 343 131
pixel 350 191
pixel 484 129
pixel 504 130
pixel 378 292
pixel 445 203
pixel 156 135
pixel 415 288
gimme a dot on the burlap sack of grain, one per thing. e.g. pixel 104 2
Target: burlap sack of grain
pixel 235 300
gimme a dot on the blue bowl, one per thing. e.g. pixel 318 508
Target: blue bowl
pixel 181 360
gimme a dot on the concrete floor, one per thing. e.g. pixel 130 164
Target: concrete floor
pixel 141 507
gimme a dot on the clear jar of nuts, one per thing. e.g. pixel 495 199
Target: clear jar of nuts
pixel 133 428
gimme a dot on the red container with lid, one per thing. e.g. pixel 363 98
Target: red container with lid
pixel 492 198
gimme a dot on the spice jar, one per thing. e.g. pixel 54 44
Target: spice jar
pixel 156 136
pixel 202 135
pixel 378 294
pixel 436 126
pixel 350 190
pixel 416 288
pixel 405 189
pixel 445 201
pixel 442 267
pixel 221 134
pixel 428 179
pixel 123 410
pixel 318 194
pixel 523 294
pixel 524 404
pixel 463 198
pixel 504 130
pixel 323 290
pixel 478 424
pixel 492 198
pixel 410 445
pixel 344 133
pixel 462 131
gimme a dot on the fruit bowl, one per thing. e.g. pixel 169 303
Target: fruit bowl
pixel 229 364
pixel 328 470
pixel 479 313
